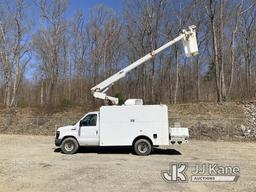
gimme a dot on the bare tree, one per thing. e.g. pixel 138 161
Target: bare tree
pixel 14 50
pixel 22 52
pixel 216 18
pixel 79 47
pixel 104 38
pixel 233 43
pixel 248 36
pixel 48 42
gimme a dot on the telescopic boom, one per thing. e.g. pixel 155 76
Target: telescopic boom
pixel 190 48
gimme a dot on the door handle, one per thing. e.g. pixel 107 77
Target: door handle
pixel 96 132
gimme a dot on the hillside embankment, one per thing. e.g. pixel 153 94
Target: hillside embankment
pixel 210 121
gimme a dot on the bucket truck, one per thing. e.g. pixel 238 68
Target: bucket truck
pixel 132 124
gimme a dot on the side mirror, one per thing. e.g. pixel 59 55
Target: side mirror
pixel 80 123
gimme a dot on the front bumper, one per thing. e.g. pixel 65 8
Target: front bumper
pixel 57 142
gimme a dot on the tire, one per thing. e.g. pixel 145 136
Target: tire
pixel 69 146
pixel 142 147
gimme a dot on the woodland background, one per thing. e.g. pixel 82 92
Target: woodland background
pixel 57 62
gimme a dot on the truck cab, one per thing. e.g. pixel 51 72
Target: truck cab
pixel 85 131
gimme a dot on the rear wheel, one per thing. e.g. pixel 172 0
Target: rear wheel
pixel 142 147
pixel 69 146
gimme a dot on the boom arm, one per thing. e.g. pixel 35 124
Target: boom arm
pixel 190 47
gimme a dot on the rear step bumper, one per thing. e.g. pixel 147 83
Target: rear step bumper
pixel 178 135
pixel 178 141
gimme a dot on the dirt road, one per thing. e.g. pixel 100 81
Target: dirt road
pixel 31 163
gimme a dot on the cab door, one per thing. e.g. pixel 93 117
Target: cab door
pixel 89 130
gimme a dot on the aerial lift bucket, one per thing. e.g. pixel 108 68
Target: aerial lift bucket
pixel 190 42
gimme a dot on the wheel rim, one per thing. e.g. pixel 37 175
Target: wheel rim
pixel 69 146
pixel 143 147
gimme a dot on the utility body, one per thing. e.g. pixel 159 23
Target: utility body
pixel 131 124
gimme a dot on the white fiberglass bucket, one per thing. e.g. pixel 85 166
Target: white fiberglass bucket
pixel 190 43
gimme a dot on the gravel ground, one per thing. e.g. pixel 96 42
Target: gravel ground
pixel 32 163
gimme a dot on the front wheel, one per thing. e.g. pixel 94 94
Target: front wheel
pixel 142 147
pixel 69 146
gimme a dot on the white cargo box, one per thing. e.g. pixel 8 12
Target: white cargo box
pixel 120 125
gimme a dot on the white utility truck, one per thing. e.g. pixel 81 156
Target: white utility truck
pixel 132 124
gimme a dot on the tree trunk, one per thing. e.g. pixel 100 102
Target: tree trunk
pixel 221 52
pixel 8 93
pixel 42 93
pixel 215 51
pixel 16 80
pixel 233 47
pixel 198 91
pixel 177 76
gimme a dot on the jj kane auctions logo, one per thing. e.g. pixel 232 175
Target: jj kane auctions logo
pixel 200 173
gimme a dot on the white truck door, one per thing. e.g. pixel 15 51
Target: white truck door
pixel 89 130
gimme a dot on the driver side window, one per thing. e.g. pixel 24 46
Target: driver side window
pixel 89 120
